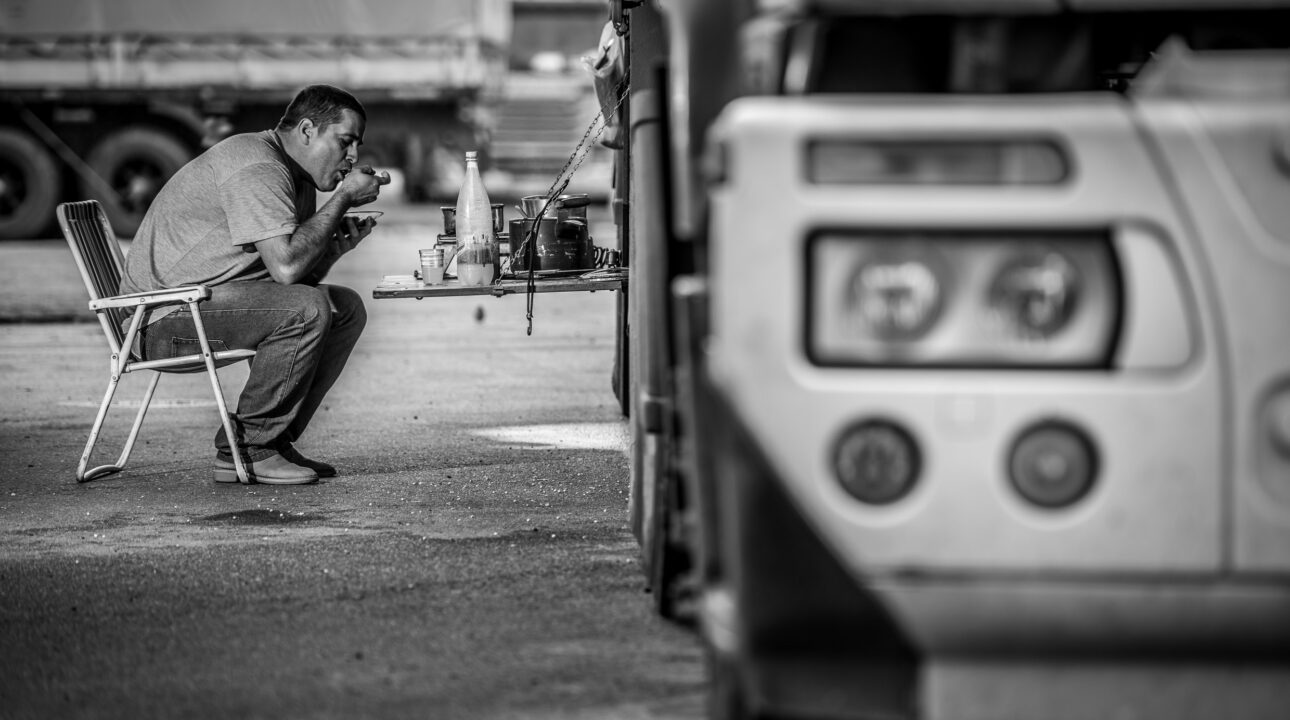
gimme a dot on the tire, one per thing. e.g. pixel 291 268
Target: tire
pixel 134 162
pixel 725 691
pixel 29 185
pixel 619 376
pixel 669 564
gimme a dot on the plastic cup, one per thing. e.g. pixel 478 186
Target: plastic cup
pixel 431 266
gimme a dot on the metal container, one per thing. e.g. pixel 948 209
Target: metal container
pixel 556 246
pixel 498 211
pixel 566 252
pixel 573 206
pixel 520 228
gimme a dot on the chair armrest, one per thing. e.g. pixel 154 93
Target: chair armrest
pixel 190 293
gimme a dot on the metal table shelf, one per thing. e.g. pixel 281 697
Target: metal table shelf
pixel 406 286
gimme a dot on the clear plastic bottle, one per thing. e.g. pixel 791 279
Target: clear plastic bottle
pixel 476 242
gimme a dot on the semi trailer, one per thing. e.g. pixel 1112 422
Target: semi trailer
pixel 106 99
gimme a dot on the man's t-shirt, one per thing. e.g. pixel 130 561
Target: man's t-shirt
pixel 203 225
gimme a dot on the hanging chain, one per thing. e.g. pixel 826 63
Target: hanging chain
pixel 580 153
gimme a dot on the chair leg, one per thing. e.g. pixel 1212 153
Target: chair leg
pixel 229 431
pixel 85 476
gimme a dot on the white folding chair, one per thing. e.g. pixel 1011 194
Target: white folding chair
pixel 99 258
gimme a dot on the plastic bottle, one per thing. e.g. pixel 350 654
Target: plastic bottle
pixel 476 242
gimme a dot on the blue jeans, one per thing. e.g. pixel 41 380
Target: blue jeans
pixel 302 336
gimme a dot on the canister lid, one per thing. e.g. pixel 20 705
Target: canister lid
pixel 573 200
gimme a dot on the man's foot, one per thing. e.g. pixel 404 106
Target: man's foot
pixel 272 470
pixel 292 455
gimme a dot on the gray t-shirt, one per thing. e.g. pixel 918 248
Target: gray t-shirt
pixel 203 225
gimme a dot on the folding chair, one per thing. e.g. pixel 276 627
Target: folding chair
pixel 99 258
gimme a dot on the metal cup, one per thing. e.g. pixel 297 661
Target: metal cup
pixel 531 205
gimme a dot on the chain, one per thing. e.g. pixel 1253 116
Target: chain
pixel 580 153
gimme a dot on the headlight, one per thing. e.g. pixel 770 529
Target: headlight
pixel 895 298
pixel 1036 294
pixel 941 299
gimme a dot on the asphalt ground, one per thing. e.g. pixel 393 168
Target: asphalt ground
pixel 472 560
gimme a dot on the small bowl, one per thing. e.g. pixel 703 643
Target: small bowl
pixel 364 214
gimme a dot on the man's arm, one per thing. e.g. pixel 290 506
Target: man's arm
pixel 294 258
pixel 346 238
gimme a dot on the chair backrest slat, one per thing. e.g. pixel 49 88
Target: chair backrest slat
pixel 94 245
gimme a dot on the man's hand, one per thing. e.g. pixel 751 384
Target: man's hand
pixel 362 185
pixel 307 254
pixel 352 230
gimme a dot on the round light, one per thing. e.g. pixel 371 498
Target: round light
pixel 1053 464
pixel 1036 294
pixel 896 299
pixel 876 462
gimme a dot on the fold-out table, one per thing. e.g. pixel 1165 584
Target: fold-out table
pixel 408 286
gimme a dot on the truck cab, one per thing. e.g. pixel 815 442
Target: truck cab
pixel 959 386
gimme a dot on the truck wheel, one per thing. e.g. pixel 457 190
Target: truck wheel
pixel 619 376
pixel 669 561
pixel 725 691
pixel 135 163
pixel 29 185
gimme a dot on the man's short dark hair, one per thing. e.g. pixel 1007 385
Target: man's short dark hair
pixel 321 103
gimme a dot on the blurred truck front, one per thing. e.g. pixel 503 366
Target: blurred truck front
pixel 106 100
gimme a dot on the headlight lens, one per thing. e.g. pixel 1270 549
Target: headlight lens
pixel 940 299
pixel 895 298
pixel 1035 295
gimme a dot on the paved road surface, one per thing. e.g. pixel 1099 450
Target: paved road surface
pixel 472 561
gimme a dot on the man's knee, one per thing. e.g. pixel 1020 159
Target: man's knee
pixel 314 306
pixel 348 309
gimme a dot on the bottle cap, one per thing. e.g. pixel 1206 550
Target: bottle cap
pixel 470 155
